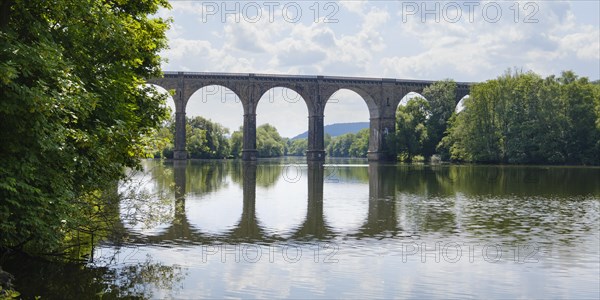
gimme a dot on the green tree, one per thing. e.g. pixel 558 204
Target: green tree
pixel 207 139
pixel 349 144
pixel 236 142
pixel 327 140
pixel 297 147
pixel 411 128
pixel 74 111
pixel 163 140
pixel 268 141
pixel 360 144
pixel 441 97
pixel 204 139
pixel 577 99
pixel 523 118
pixel 597 98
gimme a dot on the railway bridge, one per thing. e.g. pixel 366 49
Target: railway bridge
pixel 382 96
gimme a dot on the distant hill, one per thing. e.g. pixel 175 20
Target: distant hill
pixel 338 129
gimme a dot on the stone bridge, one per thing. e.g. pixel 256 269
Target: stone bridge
pixel 382 96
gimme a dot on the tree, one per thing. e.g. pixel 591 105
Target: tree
pixel 411 128
pixel 163 140
pixel 577 99
pixel 268 141
pixel 236 142
pixel 348 145
pixel 523 118
pixel 297 147
pixel 360 144
pixel 206 139
pixel 74 111
pixel 597 99
pixel 441 97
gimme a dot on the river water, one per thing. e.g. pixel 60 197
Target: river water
pixel 346 229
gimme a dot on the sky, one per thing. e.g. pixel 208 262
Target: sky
pixel 427 40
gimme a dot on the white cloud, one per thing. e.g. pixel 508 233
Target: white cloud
pixel 480 50
pixel 355 6
pixel 371 39
pixel 586 44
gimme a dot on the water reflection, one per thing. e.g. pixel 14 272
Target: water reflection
pixel 143 279
pixel 516 203
pixel 314 225
pixel 248 229
pixel 381 219
pixel 368 210
pixel 372 210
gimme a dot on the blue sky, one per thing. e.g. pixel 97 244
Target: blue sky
pixel 431 40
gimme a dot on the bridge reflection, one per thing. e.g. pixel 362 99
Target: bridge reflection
pixel 382 217
pixel 381 213
pixel 402 200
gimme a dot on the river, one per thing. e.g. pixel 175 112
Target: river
pixel 347 229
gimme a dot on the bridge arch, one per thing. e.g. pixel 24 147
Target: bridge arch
pixel 349 107
pixel 286 110
pixel 329 96
pixel 409 96
pixel 210 101
pixel 267 90
pixel 214 88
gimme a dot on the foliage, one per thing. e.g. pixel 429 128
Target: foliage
pixel 73 112
pixel 268 141
pixel 8 294
pixel 411 128
pixel 349 144
pixel 421 124
pixel 441 97
pixel 597 99
pixel 204 139
pixel 236 142
pixel 523 118
pixel 297 147
pixel 163 140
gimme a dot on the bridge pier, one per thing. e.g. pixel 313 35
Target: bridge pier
pixel 179 152
pixel 249 152
pixel 380 142
pixel 316 138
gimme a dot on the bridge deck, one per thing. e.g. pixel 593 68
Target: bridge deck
pixel 171 74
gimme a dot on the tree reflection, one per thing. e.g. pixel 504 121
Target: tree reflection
pixel 202 176
pixel 268 173
pixel 339 172
pixel 52 280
